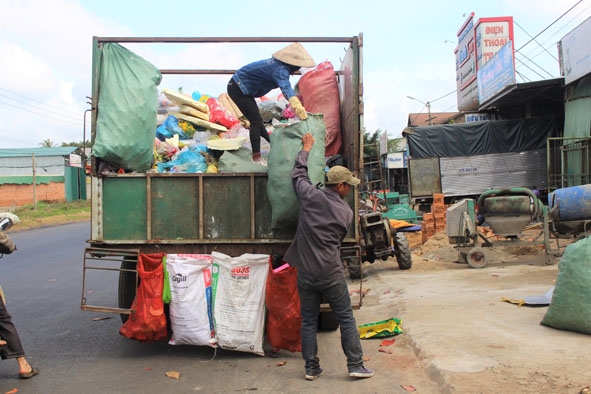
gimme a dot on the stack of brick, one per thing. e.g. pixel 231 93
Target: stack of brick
pixel 428 226
pixel 438 210
pixel 434 221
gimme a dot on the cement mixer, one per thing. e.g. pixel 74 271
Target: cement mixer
pixel 506 211
pixel 570 211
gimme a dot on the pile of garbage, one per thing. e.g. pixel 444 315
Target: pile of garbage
pixel 141 128
pixel 191 127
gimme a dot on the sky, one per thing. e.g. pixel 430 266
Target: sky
pixel 408 50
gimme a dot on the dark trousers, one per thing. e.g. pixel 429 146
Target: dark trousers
pixel 336 293
pixel 249 108
pixel 8 333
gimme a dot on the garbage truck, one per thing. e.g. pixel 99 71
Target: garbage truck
pixel 143 211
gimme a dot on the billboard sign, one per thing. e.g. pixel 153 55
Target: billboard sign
pixel 477 117
pixel 478 42
pixel 497 73
pixel 466 66
pixel 396 160
pixel 491 35
pixel 575 52
pixel 383 143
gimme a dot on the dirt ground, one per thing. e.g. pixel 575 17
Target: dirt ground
pixel 471 341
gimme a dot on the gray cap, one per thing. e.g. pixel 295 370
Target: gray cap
pixel 340 174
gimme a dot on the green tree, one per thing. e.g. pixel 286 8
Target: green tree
pixel 47 144
pixel 370 140
pixel 77 144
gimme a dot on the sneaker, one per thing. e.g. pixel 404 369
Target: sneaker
pixel 261 161
pixel 314 374
pixel 361 372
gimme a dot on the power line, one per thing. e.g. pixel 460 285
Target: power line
pixel 525 79
pixel 547 27
pixel 531 69
pixel 38 113
pixel 546 50
pixel 67 118
pixel 45 104
pixel 444 96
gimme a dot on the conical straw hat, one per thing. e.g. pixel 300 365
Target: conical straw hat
pixel 296 55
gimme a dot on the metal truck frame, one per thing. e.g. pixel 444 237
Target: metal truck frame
pixel 225 212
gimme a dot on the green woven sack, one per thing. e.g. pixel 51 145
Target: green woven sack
pixel 570 308
pixel 286 142
pixel 166 295
pixel 127 108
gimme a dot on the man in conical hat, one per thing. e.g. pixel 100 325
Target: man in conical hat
pixel 259 78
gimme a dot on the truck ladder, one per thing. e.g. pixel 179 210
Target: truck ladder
pixel 100 259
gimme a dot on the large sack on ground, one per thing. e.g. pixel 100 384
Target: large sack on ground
pixel 570 308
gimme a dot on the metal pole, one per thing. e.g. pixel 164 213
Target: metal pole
pixel 429 111
pixel 34 183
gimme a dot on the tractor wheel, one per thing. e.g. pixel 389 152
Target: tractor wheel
pixel 354 270
pixel 402 251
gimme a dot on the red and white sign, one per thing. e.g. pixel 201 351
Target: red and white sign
pixel 491 35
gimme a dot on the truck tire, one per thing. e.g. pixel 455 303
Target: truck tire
pixel 402 251
pixel 126 290
pixel 326 320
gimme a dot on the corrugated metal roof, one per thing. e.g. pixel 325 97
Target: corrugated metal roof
pixel 28 152
pixel 422 119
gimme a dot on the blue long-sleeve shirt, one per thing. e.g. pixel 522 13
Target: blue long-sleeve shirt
pixel 323 222
pixel 259 78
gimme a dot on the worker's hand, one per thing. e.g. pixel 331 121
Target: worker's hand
pixel 244 122
pixel 298 107
pixel 308 141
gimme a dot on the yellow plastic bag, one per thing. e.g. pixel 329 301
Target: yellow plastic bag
pixel 380 329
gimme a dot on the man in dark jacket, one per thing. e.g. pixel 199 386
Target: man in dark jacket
pixel 323 222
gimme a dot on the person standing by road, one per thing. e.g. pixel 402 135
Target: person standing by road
pixel 259 78
pixel 10 344
pixel 323 222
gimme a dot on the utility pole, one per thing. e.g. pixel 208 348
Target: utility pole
pixel 427 104
pixel 34 183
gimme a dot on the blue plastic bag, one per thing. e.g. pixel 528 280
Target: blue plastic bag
pixel 189 160
pixel 169 128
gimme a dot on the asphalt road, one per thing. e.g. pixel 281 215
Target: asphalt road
pixel 82 352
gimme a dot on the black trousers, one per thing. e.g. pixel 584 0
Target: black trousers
pixel 249 108
pixel 8 333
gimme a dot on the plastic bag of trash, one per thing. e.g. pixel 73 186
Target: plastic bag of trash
pixel 188 160
pixel 570 308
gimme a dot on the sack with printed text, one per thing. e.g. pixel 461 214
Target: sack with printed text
pixel 239 301
pixel 190 282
